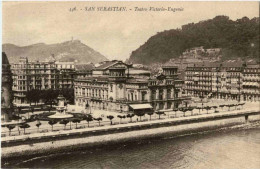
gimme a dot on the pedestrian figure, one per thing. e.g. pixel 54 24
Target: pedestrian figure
pixel 137 119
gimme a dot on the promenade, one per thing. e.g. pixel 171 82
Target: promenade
pixel 92 129
pixel 46 128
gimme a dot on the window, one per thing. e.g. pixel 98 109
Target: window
pixel 83 91
pixel 111 88
pixel 143 96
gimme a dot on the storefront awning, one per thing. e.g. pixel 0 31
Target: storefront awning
pixel 140 106
pixel 166 110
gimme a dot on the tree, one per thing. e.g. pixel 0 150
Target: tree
pixel 130 116
pixel 215 107
pixel 98 119
pixel 235 105
pixel 150 113
pixel 191 109
pixel 24 126
pixel 242 104
pixel 49 96
pixel 222 106
pixel 65 122
pixel 52 122
pixel 184 111
pixel 38 124
pixel 175 109
pixel 30 96
pixel 159 114
pixel 110 117
pixel 10 127
pixel 68 93
pixel 207 108
pixel 140 114
pixel 199 109
pixel 230 105
pixel 121 117
pixel 88 118
pixel 76 120
pixel 33 95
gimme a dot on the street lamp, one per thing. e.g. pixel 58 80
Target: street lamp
pixel 201 98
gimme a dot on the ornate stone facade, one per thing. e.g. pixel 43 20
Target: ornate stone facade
pixel 111 87
pixel 6 90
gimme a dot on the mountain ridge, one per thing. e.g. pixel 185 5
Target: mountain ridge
pixel 237 39
pixel 64 51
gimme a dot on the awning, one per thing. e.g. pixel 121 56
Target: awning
pixel 166 110
pixel 140 106
pixel 12 123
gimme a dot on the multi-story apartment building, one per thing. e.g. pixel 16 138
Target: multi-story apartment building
pixel 251 82
pixel 42 75
pixel 32 75
pixel 65 74
pixel 114 86
pixel 227 80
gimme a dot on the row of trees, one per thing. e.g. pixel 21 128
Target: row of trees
pixel 49 96
pixel 140 114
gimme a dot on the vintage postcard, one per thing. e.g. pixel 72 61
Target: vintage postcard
pixel 131 84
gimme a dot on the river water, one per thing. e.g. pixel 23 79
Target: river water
pixel 235 147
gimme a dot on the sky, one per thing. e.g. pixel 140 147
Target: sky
pixel 113 34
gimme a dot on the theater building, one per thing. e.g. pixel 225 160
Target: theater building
pixel 116 86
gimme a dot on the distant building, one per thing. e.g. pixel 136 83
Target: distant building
pixel 251 82
pixel 228 80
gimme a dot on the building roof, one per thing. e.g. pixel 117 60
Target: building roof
pixel 169 66
pixel 253 66
pixel 207 64
pixel 138 71
pixel 108 64
pixel 232 63
pixel 98 78
pixel 84 67
pixel 251 62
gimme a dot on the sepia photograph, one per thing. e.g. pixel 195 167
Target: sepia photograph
pixel 130 84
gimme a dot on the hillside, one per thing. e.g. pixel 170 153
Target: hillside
pixel 238 38
pixel 66 51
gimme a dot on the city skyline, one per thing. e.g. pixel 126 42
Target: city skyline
pixel 113 34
